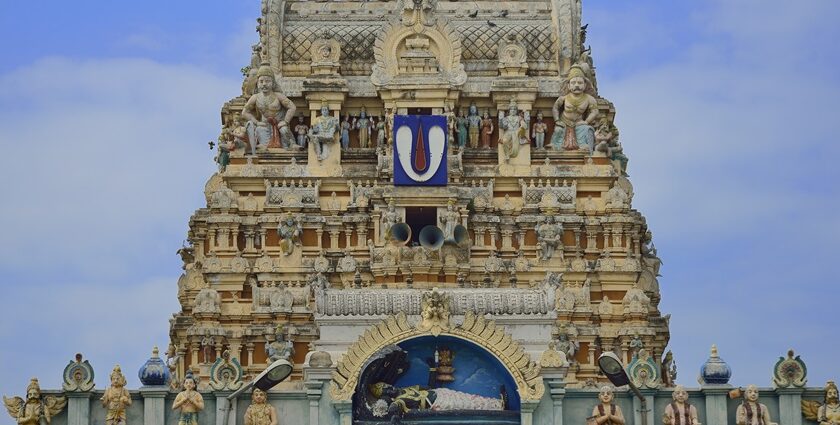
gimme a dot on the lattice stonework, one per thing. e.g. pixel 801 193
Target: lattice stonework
pixel 356 41
pixel 481 42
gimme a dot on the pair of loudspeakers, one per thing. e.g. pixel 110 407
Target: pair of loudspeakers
pixel 430 237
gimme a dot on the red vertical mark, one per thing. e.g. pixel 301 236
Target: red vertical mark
pixel 420 150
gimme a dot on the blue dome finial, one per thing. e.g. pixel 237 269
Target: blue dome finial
pixel 715 371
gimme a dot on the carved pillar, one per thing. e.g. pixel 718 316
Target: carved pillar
pixel 320 233
pixel 234 239
pixel 478 231
pixel 194 346
pixel 790 399
pixel 223 238
pixel 314 380
pixel 527 412
pixel 249 346
pixel 716 406
pixel 348 233
pixel 78 408
pixel 154 405
pixel 262 239
pixel 577 238
pixel 556 390
pixel 345 411
pixel 607 239
pixel 334 234
pixel 361 232
pixel 249 240
pixel 211 235
pixel 591 238
pixel 376 216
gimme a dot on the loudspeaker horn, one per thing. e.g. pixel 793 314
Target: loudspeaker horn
pixel 399 234
pixel 431 237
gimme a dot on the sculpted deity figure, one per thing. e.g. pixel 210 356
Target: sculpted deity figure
pixel 606 412
pixel 289 232
pixel 750 411
pixel 510 126
pixel 280 348
pixel 189 402
pixel 549 238
pixel 574 113
pixel 450 219
pixel 116 399
pixel 450 124
pixel 268 113
pixel 35 410
pixel 323 132
pixel 389 125
pixel 260 412
pixel 679 412
pixel 393 401
pixel 486 130
pixel 208 343
pixel 345 132
pixel 380 132
pixel 475 124
pixel 567 346
pixel 829 413
pixel 172 359
pixel 538 132
pixel 462 125
pixel 606 140
pixel 389 218
pixel 363 124
pixel 301 130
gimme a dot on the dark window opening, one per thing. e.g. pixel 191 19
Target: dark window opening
pixel 419 217
pixel 419 111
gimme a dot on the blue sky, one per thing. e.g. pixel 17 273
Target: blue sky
pixel 726 110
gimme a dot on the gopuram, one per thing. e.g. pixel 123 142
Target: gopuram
pixel 424 207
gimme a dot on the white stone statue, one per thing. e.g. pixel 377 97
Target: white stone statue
pixel 207 301
pixel 549 238
pixel 680 412
pixel 322 133
pixel 450 218
pixel 510 125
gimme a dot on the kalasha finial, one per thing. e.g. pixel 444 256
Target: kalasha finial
pixel 714 354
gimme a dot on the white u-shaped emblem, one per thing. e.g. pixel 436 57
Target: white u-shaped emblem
pixel 437 148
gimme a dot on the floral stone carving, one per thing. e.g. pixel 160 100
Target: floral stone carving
pixel 790 372
pixel 226 373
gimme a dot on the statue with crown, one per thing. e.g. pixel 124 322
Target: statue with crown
pixel 36 409
pixel 268 113
pixel 574 112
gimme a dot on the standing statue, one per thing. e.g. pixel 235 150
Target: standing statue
pixel 450 125
pixel 475 124
pixel 260 412
pixel 510 137
pixel 668 369
pixel 574 113
pixel 462 124
pixel 450 218
pixel 679 412
pixel 289 232
pixel 281 348
pixel 208 345
pixel 35 410
pixel 380 132
pixel 389 218
pixel 116 399
pixel 606 140
pixel 172 359
pixel 189 402
pixel 389 125
pixel 549 238
pixel 363 124
pixel 486 130
pixel 606 412
pixel 323 132
pixel 751 412
pixel 538 132
pixel 301 130
pixel 345 132
pixel 269 113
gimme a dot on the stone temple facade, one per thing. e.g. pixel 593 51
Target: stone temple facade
pixel 418 192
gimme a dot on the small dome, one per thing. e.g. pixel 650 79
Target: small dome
pixel 154 372
pixel 715 371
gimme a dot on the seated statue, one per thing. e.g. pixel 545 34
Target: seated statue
pixel 268 113
pixel 751 412
pixel 574 113
pixel 679 412
pixel 829 413
pixel 606 412
pixel 323 131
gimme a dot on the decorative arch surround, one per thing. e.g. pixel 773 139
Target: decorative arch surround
pixel 475 329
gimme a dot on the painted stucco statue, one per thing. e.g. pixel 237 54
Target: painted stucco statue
pixel 680 412
pixel 607 412
pixel 35 410
pixel 380 132
pixel 389 219
pixel 323 132
pixel 289 232
pixel 606 140
pixel 268 113
pixel 487 128
pixel 260 412
pixel 462 128
pixel 750 411
pixel 538 131
pixel 475 124
pixel 549 238
pixel 510 125
pixel 280 348
pixel 363 124
pixel 116 399
pixel 394 402
pixel 301 132
pixel 345 132
pixel 188 402
pixel 824 414
pixel 574 113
